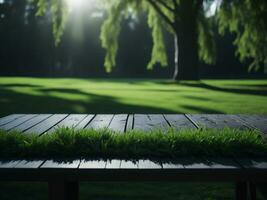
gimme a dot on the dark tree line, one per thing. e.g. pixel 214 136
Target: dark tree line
pixel 28 48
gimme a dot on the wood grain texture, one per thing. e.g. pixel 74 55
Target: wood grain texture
pixel 17 122
pixel 32 122
pixel 9 118
pixel 222 163
pixel 148 164
pixel 8 164
pixel 46 124
pixel 253 163
pixel 100 121
pixel 130 122
pixel 85 122
pixel 179 122
pixel 93 164
pixel 195 164
pixel 70 121
pixel 172 165
pixel 149 122
pixel 212 163
pixel 128 164
pixel 118 123
pixel 32 164
pixel 61 164
pixel 113 164
pixel 258 122
pixel 217 121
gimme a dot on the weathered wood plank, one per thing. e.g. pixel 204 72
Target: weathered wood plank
pixel 186 163
pixel 148 164
pixel 195 164
pixel 113 164
pixel 130 122
pixel 118 123
pixel 150 122
pixel 256 163
pixel 217 121
pixel 17 122
pixel 46 124
pixel 61 164
pixel 222 163
pixel 32 122
pixel 213 163
pixel 93 164
pixel 85 122
pixel 9 118
pixel 258 122
pixel 70 121
pixel 25 164
pixel 8 164
pixel 127 164
pixel 179 122
pixel 172 165
pixel 100 121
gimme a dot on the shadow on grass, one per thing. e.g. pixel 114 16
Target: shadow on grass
pixel 260 89
pixel 19 85
pixel 12 101
pixel 63 90
pixel 223 89
pixel 16 102
pixel 197 98
pixel 264 86
pixel 202 109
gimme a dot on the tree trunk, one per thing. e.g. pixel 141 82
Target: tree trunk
pixel 186 49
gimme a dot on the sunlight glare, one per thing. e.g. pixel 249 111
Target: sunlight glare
pixel 75 4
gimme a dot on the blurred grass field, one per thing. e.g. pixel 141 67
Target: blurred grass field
pixel 63 95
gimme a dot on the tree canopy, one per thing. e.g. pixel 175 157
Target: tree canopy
pixel 246 19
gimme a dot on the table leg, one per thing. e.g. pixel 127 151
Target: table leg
pixel 241 191
pixel 63 190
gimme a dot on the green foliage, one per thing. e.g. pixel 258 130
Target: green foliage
pixel 110 33
pixel 59 14
pixel 119 10
pixel 159 51
pixel 247 20
pixel 71 143
pixel 206 42
pixel 59 11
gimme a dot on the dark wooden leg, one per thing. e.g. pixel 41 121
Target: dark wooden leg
pixel 72 190
pixel 241 191
pixel 252 191
pixel 63 190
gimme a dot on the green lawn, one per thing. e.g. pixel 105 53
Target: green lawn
pixel 48 95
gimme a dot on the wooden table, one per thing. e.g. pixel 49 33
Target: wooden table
pixel 64 177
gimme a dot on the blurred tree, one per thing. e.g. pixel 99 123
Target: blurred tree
pixel 247 19
pixel 187 21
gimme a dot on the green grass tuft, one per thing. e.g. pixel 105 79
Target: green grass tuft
pixel 71 143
